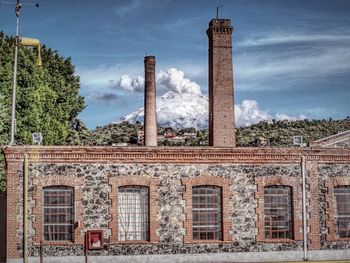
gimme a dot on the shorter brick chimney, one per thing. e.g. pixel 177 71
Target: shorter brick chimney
pixel 150 115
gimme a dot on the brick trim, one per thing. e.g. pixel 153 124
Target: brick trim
pixel 115 182
pixel 14 194
pixel 226 209
pixel 71 181
pixel 205 155
pixel 313 209
pixel 295 184
pixel 331 206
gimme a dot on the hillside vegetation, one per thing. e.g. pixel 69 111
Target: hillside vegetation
pixel 277 133
pixel 280 133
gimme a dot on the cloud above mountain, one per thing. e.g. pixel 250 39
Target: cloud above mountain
pixel 191 110
pixel 174 80
pixel 170 80
pixel 183 105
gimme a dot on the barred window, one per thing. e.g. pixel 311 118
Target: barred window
pixel 58 213
pixel 278 212
pixel 133 209
pixel 206 213
pixel 342 216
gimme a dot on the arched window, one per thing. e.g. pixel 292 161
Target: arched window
pixel 133 213
pixel 342 215
pixel 278 220
pixel 206 213
pixel 58 213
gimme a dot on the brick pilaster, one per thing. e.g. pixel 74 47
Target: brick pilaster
pixel 13 210
pixel 313 207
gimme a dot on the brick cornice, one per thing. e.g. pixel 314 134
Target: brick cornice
pixel 75 154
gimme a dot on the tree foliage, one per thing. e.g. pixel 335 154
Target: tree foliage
pixel 47 97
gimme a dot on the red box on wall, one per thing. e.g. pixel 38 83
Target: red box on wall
pixel 94 239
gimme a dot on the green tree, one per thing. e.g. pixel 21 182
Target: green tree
pixel 48 99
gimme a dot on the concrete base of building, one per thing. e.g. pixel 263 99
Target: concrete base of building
pixel 280 256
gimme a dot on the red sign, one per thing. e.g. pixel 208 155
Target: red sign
pixel 94 239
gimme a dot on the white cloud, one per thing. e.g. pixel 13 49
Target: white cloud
pixel 183 105
pixel 292 38
pixel 100 77
pixel 170 80
pixel 191 110
pixel 288 60
pixel 174 80
pixel 282 116
pixel 248 113
pixel 256 70
pixel 127 83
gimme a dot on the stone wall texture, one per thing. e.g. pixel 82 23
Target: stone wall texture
pixel 327 173
pixel 95 175
pixel 96 202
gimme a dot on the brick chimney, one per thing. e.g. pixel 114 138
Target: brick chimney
pixel 221 106
pixel 150 117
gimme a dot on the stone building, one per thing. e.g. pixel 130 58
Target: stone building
pixel 198 204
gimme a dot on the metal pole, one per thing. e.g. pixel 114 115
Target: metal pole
pixel 41 252
pixel 13 117
pixel 86 247
pixel 303 170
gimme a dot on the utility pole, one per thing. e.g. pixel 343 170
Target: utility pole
pixel 13 115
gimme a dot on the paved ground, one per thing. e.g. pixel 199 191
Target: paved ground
pixel 336 261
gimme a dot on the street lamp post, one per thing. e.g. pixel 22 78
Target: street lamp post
pixel 13 115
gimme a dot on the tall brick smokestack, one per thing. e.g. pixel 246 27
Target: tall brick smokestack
pixel 150 121
pixel 221 106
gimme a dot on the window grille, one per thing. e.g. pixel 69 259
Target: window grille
pixel 58 213
pixel 133 213
pixel 206 213
pixel 342 216
pixel 278 212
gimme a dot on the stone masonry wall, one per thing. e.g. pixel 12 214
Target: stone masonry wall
pixel 96 202
pixel 327 172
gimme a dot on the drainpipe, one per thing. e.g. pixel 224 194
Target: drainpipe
pixel 25 210
pixel 303 171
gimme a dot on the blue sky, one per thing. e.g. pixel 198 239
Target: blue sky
pixel 292 57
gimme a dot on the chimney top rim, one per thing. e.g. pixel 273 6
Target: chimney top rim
pixel 219 22
pixel 150 57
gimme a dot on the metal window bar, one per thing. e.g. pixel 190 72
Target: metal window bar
pixel 342 215
pixel 133 213
pixel 206 213
pixel 278 221
pixel 58 213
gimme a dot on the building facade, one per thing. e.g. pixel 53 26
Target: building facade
pixel 159 201
pixel 198 204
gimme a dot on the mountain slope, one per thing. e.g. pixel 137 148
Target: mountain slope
pixel 176 110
